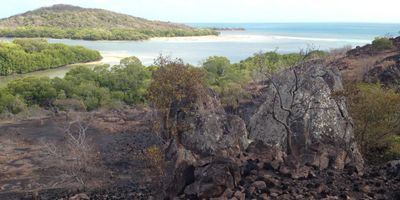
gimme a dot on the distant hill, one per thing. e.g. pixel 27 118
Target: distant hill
pixel 66 21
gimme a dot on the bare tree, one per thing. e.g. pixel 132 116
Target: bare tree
pixel 77 156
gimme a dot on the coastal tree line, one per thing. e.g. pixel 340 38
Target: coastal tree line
pixel 28 55
pixel 98 33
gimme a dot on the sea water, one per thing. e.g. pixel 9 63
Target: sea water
pixel 238 45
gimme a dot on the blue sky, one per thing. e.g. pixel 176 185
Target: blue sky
pixel 234 10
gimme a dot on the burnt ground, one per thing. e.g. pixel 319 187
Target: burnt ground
pixel 120 172
pixel 28 166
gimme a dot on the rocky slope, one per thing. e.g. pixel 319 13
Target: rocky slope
pixel 367 64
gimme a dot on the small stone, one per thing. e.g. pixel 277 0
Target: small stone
pixel 299 196
pixel 239 195
pixel 260 185
pixel 251 190
pixel 264 196
pixel 284 170
pixel 81 196
pixel 228 193
pixel 366 189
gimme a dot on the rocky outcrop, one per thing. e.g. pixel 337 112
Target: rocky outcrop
pixel 208 132
pixel 297 125
pixel 302 115
pixel 370 50
pixel 386 72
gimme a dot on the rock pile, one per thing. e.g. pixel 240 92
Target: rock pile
pixel 271 177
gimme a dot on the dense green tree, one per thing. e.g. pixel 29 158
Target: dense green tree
pixel 28 55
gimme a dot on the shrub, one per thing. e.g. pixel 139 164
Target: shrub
pixel 33 90
pixel 376 114
pixel 10 103
pixel 175 88
pixel 382 43
pixel 155 158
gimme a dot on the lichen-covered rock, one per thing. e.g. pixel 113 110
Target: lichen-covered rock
pixel 300 113
pixel 208 132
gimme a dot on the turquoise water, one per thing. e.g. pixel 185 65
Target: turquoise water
pixel 238 45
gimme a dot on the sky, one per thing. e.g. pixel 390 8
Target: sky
pixel 230 11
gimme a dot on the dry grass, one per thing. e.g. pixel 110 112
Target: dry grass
pixel 357 67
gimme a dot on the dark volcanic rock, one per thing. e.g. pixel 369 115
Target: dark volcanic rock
pixel 387 75
pixel 301 100
pixel 211 132
pixel 213 179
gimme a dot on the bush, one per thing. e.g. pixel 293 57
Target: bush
pixel 10 103
pixel 376 114
pixel 33 90
pixel 175 89
pixel 227 80
pixel 382 43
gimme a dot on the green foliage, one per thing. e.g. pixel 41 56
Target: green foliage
pixel 382 43
pixel 97 33
pixel 33 90
pixel 376 114
pixel 264 63
pixel 230 80
pixel 28 55
pixel 226 79
pixel 10 103
pixel 82 88
pixel 103 87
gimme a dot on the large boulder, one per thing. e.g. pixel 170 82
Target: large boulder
pixel 302 114
pixel 208 132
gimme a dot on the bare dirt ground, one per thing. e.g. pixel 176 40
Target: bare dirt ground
pixel 34 154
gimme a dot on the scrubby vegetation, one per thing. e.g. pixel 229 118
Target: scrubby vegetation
pixel 175 83
pixel 28 55
pixel 64 21
pixel 376 113
pixel 382 43
pixel 81 89
pixel 128 83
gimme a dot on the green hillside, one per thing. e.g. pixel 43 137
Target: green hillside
pixel 66 21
